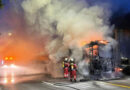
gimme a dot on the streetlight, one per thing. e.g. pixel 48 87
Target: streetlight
pixel 9 34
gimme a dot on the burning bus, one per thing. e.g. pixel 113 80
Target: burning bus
pixel 102 64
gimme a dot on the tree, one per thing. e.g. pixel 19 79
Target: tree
pixel 1 4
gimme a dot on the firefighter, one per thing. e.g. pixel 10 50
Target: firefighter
pixel 66 67
pixel 72 69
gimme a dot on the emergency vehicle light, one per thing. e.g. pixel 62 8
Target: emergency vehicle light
pixel 8 58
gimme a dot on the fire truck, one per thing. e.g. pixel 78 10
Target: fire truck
pixel 8 62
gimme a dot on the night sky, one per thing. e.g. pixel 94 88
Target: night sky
pixel 119 9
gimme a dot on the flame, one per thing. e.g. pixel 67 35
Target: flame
pixel 103 42
pixel 93 36
pixel 94 49
pixel 83 43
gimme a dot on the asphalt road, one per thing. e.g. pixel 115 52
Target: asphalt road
pixel 40 82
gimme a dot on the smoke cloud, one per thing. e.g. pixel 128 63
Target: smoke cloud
pixel 68 23
pixel 58 26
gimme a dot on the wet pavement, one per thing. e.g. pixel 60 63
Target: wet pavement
pixel 41 82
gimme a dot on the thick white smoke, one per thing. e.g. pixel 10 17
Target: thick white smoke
pixel 67 23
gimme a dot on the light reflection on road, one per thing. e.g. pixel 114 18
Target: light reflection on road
pixel 8 73
pixel 8 79
pixel 17 74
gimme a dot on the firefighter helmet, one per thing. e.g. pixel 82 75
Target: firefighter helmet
pixel 66 60
pixel 72 60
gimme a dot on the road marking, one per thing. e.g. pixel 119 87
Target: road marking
pixel 118 85
pixel 79 86
pixel 47 83
pixel 75 86
pixel 51 84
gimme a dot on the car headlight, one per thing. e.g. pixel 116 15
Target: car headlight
pixel 5 66
pixel 13 66
pixel 5 81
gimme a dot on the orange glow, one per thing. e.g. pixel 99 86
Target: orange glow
pixel 6 58
pixel 121 69
pixel 95 46
pixel 83 43
pixel 117 69
pixel 92 36
pixel 19 49
pixel 21 44
pixel 94 49
pixel 11 58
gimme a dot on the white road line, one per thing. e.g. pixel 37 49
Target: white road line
pixel 106 86
pixel 51 84
pixel 72 85
pixel 47 83
pixel 81 85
